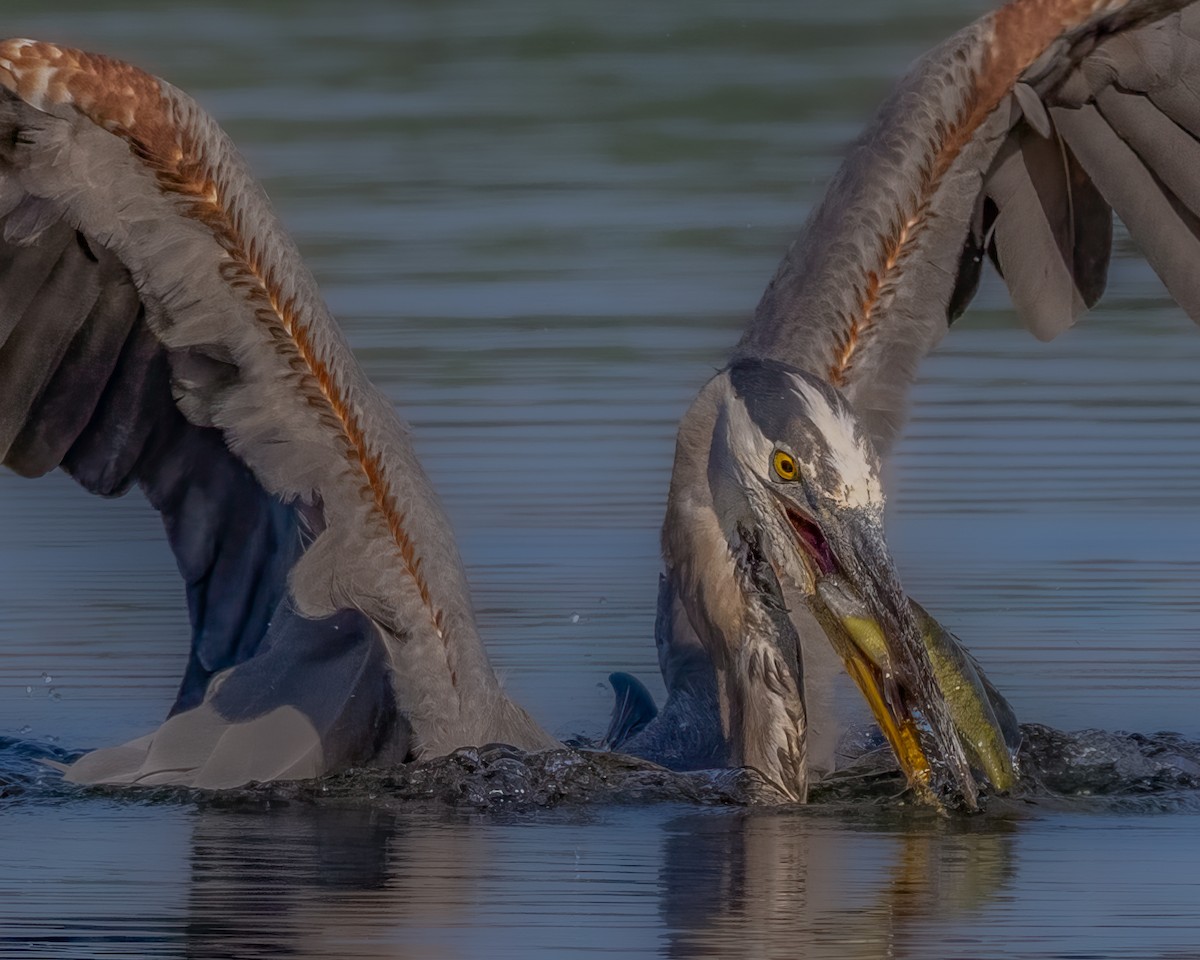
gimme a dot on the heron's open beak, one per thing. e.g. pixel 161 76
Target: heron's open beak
pixel 867 616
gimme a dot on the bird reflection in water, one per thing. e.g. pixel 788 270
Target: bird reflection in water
pixel 327 883
pixel 841 892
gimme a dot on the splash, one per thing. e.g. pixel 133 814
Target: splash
pixel 1086 770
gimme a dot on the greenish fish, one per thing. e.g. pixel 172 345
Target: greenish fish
pixel 982 717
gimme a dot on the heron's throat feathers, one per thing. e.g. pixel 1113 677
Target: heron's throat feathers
pixel 770 730
pixel 1020 32
pixel 153 120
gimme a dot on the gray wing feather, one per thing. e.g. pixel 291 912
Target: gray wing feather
pixel 60 413
pixel 23 273
pixel 1166 232
pixel 103 459
pixel 43 334
pixel 1163 146
pixel 1009 136
pixel 1033 110
pixel 1052 232
pixel 230 337
pixel 300 708
pixel 101 408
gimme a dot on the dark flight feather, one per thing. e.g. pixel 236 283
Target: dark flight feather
pixel 1011 138
pixel 157 327
pixel 1053 232
pixel 1165 233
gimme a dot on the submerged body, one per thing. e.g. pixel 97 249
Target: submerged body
pixel 160 330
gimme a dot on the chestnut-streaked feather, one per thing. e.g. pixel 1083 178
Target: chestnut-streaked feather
pixel 157 327
pixel 887 258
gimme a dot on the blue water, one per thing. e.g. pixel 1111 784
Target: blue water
pixel 543 227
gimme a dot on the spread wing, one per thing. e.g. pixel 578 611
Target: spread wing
pixel 157 327
pixel 85 385
pixel 1017 138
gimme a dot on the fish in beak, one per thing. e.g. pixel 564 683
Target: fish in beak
pixel 791 494
pixel 924 690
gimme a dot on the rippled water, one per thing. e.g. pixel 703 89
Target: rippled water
pixel 543 226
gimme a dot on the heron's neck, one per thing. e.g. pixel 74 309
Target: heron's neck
pixel 696 551
pixel 758 690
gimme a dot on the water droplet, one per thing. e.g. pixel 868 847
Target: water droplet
pixel 27 729
pixel 46 678
pixel 54 694
pixel 29 691
pixel 574 618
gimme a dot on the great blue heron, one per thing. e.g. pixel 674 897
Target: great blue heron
pixel 1016 138
pixel 158 328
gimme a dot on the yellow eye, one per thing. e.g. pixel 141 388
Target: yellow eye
pixel 785 465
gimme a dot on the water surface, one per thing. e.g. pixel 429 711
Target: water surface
pixel 543 226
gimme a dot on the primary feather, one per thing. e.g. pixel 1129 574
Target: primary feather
pixel 1018 136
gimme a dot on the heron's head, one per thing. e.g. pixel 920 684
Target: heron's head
pixel 795 489
pixel 790 462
